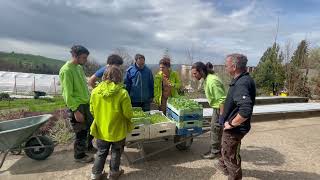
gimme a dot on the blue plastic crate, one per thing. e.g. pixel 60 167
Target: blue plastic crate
pixel 189 131
pixel 172 115
pixel 188 124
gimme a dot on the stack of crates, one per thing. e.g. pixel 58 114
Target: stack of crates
pixel 144 129
pixel 161 129
pixel 187 121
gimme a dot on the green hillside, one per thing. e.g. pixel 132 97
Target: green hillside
pixel 29 63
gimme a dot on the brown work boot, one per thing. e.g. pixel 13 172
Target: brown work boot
pixel 221 167
pixel 115 175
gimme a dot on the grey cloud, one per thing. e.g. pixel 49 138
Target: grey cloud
pixel 140 26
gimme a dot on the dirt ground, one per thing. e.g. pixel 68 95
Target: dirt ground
pixel 284 149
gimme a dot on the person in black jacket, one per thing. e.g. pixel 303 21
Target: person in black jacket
pixel 237 114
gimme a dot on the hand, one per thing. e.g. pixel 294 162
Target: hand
pixel 167 82
pixel 227 126
pixel 79 116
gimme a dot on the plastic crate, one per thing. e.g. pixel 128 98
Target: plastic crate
pixel 162 129
pixel 188 124
pixel 186 117
pixel 185 112
pixel 140 132
pixel 189 131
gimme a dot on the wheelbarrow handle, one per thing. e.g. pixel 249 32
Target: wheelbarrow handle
pixel 4 157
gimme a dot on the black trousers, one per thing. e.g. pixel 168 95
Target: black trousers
pixel 83 141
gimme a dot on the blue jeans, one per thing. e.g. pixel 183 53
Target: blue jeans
pixel 102 153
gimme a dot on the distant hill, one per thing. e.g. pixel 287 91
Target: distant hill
pixel 29 63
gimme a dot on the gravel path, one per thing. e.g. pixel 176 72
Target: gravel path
pixel 285 149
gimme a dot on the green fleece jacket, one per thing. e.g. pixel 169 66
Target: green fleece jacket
pixel 74 85
pixel 111 108
pixel 214 91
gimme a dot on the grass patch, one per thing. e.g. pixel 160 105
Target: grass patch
pixel 34 105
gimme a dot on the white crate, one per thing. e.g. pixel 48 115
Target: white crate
pixel 140 132
pixel 162 129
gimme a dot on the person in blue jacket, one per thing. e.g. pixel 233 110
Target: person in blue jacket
pixel 113 59
pixel 139 83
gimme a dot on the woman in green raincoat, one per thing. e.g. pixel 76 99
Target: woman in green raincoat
pixel 166 84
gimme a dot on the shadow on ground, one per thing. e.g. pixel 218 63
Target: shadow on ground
pixel 57 162
pixel 262 156
pixel 280 175
pixel 170 164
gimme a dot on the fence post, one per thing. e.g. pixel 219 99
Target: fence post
pixel 15 84
pixel 54 84
pixel 34 83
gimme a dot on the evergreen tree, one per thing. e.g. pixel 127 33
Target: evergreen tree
pixel 298 71
pixel 269 74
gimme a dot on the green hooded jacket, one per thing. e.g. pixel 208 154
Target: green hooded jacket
pixel 111 108
pixel 174 80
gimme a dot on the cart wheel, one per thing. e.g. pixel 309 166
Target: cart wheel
pixel 39 153
pixel 182 146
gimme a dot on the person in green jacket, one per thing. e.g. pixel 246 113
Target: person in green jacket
pixel 215 93
pixel 111 108
pixel 76 96
pixel 166 84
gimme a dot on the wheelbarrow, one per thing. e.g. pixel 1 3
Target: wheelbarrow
pixel 19 134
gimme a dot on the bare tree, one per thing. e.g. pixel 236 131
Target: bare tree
pixel 91 67
pixel 127 58
pixel 190 54
pixel 288 50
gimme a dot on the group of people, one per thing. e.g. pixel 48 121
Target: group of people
pixel 105 115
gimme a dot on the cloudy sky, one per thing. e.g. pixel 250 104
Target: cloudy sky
pixel 208 29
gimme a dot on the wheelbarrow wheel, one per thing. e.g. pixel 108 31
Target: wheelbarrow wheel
pixel 38 152
pixel 185 145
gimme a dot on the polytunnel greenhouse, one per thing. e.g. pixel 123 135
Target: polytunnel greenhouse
pixel 26 83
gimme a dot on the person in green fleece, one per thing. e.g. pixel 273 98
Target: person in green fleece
pixel 216 96
pixel 76 96
pixel 111 108
pixel 166 84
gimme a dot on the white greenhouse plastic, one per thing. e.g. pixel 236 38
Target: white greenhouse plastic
pixel 26 83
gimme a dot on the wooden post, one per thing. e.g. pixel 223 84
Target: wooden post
pixel 54 84
pixel 34 83
pixel 15 84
